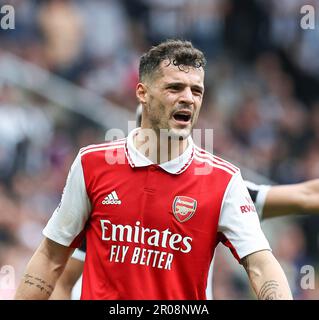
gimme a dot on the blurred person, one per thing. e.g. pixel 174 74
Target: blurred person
pixel 106 29
pixel 169 244
pixel 22 143
pixel 292 255
pixel 284 24
pixel 62 27
pixel 109 51
pixel 173 12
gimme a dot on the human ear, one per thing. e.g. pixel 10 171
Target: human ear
pixel 141 93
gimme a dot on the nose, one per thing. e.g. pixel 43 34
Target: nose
pixel 187 96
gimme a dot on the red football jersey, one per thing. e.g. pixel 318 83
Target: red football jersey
pixel 151 229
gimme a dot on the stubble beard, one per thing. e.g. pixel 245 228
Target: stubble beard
pixel 164 130
pixel 179 134
pixel 160 124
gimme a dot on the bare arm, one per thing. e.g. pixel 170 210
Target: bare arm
pixel 68 279
pixel 266 276
pixel 289 199
pixel 43 270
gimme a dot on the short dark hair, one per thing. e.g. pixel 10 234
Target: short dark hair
pixel 178 52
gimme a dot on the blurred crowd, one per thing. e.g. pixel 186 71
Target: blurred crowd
pixel 262 101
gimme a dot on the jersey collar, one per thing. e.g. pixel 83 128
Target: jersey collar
pixel 175 166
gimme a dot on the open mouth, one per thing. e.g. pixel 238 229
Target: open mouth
pixel 182 116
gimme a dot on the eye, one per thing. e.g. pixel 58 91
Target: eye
pixel 174 87
pixel 197 92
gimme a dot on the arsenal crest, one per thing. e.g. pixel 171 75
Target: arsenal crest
pixel 184 208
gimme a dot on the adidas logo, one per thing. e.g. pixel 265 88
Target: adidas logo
pixel 112 198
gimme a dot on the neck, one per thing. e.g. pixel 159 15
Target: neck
pixel 158 148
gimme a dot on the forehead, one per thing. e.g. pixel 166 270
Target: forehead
pixel 169 72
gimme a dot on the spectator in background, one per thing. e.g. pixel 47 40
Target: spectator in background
pixel 62 27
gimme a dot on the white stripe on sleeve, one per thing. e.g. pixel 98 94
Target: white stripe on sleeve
pixel 69 218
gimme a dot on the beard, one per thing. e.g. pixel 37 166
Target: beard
pixel 179 134
pixel 163 123
pixel 165 130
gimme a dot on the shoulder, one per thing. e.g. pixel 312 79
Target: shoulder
pixel 204 157
pixel 96 156
pixel 94 149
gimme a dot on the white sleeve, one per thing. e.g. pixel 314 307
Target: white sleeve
pixel 261 191
pixel 69 218
pixel 78 255
pixel 239 225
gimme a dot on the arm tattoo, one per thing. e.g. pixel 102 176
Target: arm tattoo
pixel 269 291
pixel 38 283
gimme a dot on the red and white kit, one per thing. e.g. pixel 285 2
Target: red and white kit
pixel 152 229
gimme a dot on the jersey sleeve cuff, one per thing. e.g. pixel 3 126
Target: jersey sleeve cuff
pixel 243 253
pixel 78 255
pixel 261 199
pixel 55 237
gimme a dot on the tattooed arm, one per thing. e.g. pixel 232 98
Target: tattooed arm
pixel 266 276
pixel 43 270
